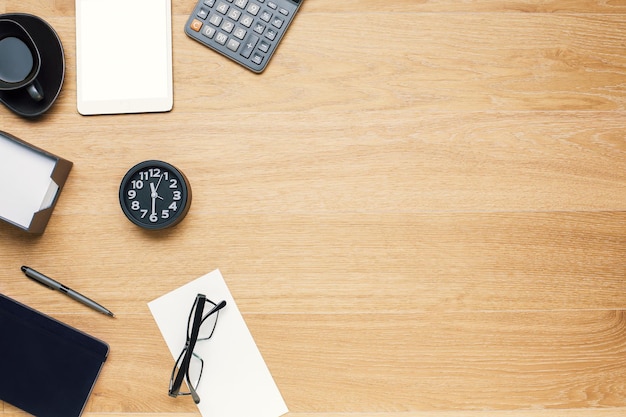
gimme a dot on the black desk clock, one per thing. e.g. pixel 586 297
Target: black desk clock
pixel 155 195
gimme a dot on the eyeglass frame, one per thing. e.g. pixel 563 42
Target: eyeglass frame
pixel 177 377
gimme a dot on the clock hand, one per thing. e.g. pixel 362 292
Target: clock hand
pixel 159 183
pixel 154 196
pixel 153 189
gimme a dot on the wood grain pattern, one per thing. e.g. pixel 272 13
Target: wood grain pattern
pixel 420 208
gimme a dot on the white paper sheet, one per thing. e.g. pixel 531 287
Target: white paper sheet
pixel 236 381
pixel 26 186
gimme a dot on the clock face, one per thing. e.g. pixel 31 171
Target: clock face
pixel 155 195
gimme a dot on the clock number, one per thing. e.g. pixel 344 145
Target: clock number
pixel 173 183
pixel 135 205
pixel 176 195
pixel 173 206
pixel 154 217
pixel 165 214
pixel 143 213
pixel 132 194
pixel 151 173
pixel 137 184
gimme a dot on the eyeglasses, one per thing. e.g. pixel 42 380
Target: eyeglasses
pixel 189 365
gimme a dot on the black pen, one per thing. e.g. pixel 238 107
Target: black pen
pixel 54 285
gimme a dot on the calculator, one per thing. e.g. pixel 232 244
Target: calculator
pixel 246 31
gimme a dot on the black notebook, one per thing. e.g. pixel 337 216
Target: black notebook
pixel 47 368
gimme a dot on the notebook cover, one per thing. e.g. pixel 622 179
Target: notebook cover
pixel 47 368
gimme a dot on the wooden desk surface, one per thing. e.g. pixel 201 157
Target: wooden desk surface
pixel 420 208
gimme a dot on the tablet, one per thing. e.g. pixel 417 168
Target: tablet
pixel 48 368
pixel 123 56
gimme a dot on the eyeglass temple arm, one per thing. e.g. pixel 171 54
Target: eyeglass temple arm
pixel 194 394
pixel 217 308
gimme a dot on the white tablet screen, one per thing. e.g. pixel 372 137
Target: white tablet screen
pixel 123 56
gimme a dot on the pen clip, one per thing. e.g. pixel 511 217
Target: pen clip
pixel 44 284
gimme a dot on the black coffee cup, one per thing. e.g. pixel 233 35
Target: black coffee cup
pixel 20 60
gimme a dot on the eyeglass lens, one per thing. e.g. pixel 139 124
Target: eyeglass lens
pixel 209 319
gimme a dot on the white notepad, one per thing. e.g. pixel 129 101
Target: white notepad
pixel 236 381
pixel 30 188
pixel 123 56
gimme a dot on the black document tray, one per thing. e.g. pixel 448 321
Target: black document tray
pixel 47 368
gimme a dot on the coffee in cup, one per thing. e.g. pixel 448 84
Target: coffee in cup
pixel 19 60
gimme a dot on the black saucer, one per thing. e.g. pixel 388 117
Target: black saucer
pixel 51 74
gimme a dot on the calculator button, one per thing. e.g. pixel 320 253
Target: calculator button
pixel 253 9
pixel 234 14
pixel 257 59
pixel 222 7
pixel 272 5
pixel 270 34
pixel 233 45
pixel 228 26
pixel 221 38
pixel 209 32
pixel 196 25
pixel 209 3
pixel 264 46
pixel 249 45
pixel 278 23
pixel 215 20
pixel 284 12
pixel 266 16
pixel 241 3
pixel 259 28
pixel 240 33
pixel 202 13
pixel 247 21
